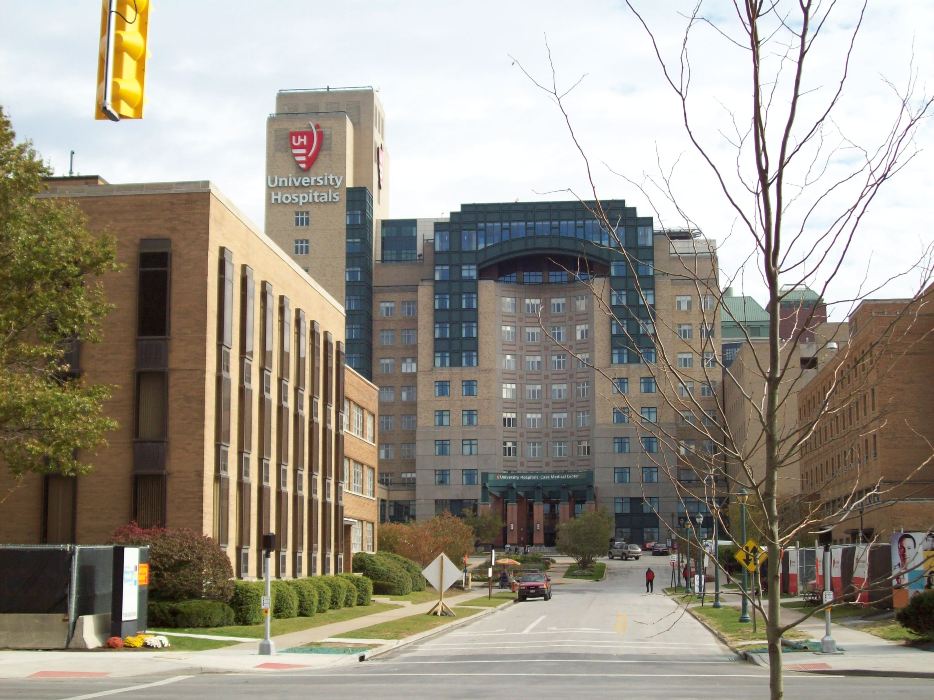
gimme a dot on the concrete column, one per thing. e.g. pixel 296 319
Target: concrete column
pixel 564 511
pixel 538 523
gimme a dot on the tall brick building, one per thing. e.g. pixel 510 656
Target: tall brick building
pixel 227 363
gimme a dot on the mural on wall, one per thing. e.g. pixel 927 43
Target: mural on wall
pixel 913 561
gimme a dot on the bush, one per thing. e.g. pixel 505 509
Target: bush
pixel 284 600
pixel 388 575
pixel 324 593
pixel 363 586
pixel 338 591
pixel 183 564
pixel 307 593
pixel 247 602
pixel 414 570
pixel 350 591
pixel 191 613
pixel 918 615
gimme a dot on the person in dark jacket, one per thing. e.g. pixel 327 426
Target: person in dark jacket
pixel 649 580
pixel 503 579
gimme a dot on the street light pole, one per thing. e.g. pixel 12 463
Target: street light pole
pixel 744 612
pixel 699 575
pixel 267 647
pixel 716 548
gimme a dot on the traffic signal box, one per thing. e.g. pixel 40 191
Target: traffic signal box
pixel 121 66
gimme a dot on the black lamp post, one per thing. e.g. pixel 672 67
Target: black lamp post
pixel 744 612
pixel 699 519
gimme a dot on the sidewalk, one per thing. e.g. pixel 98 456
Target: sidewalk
pixel 860 653
pixel 238 658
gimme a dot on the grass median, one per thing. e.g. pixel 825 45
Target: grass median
pixel 407 626
pixel 593 574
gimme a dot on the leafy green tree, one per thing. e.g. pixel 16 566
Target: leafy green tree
pixel 52 296
pixel 585 537
pixel 486 526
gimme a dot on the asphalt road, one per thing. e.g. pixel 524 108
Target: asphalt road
pixel 605 639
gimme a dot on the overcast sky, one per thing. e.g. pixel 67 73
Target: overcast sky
pixel 463 122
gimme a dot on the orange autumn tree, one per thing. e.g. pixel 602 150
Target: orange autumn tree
pixel 422 541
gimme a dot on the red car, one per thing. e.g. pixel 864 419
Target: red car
pixel 533 585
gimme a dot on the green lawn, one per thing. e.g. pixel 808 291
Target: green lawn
pixel 726 621
pixel 407 626
pixel 894 632
pixel 485 602
pixel 293 624
pixel 193 644
pixel 416 596
pixel 837 612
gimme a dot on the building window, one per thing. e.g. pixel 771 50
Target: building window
pixel 533 306
pixel 621 475
pixel 620 445
pixel 387 394
pixel 409 365
pixel 685 389
pixel 409 308
pixel 580 302
pixel 442 359
pixel 583 360
pixel 649 444
pixel 470 447
pixel 533 334
pixel 442 301
pixel 469 387
pixel 621 385
pixel 442 477
pixel 618 297
pixel 583 419
pixel 469 358
pixel 408 336
pixel 387 365
pixel 644 235
pixel 442 418
pixel 407 451
pixel 620 505
pixel 619 268
pixel 706 389
pixel 582 331
pixel 533 421
pixel 619 356
pixel 710 359
pixel 559 362
pixel 353 274
pixel 533 449
pixel 385 450
pixel 558 305
pixel 559 391
pixel 685 360
pixel 469 329
pixel 510 448
pixel 649 475
pixel 685 331
pixel 508 305
pixel 300 246
pixel 645 269
pixel 386 337
pixel 683 303
pixel 509 390
pixel 707 302
pixel 559 420
pixel 443 388
pixel 533 363
pixel 533 392
pixel 557 334
pixel 620 415
pixel 469 477
pixel 559 448
pixel 649 413
pixel 468 272
pixel 647 385
pixel 583 448
pixel 583 390
pixel 469 417
pixel 442 448
pixel 407 393
pixel 509 362
pixel 508 334
pixel 707 331
pixel 409 422
pixel 302 219
pixel 387 309
pixel 442 272
pixel 469 300
pixel 443 330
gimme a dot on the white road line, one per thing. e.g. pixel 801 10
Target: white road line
pixel 532 625
pixel 589 661
pixel 128 689
pixel 512 674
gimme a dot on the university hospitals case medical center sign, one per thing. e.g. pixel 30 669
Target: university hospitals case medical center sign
pixel 305 145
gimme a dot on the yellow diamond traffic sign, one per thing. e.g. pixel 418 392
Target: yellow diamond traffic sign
pixel 751 556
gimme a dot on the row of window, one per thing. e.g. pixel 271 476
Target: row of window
pixel 684 302
pixel 387 450
pixel 469 477
pixel 468 300
pixel 387 394
pixel 359 478
pixel 407 307
pixel 468 387
pixel 467 272
pixel 533 305
pixel 536 448
pixel 408 365
pixel 358 421
pixel 469 358
pixel 558 391
pixel 533 363
pixel 387 336
pixel 533 334
pixel 495 232
pixel 387 422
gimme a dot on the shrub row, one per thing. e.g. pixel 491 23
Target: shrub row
pixel 391 574
pixel 190 613
pixel 302 597
pixel 918 615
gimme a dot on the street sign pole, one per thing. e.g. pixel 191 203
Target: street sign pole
pixel 744 612
pixel 827 643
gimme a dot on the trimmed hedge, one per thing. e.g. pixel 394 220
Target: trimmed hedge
pixel 284 600
pixel 247 601
pixel 388 576
pixel 414 570
pixel 363 586
pixel 191 613
pixel 324 593
pixel 338 591
pixel 307 593
pixel 918 615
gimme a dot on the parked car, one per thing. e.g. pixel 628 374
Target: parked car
pixel 659 548
pixel 625 551
pixel 533 584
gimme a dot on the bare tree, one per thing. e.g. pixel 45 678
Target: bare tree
pixel 797 206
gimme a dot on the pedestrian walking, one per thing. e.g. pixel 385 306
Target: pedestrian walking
pixel 649 580
pixel 687 578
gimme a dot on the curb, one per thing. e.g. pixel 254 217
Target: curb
pixel 405 641
pixel 746 656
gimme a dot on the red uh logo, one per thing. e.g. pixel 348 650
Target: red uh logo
pixel 305 145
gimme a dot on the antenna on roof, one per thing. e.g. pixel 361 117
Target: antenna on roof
pixel 71 164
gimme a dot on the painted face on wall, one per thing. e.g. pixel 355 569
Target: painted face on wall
pixel 906 550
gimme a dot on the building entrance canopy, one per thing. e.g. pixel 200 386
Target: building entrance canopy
pixel 537 486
